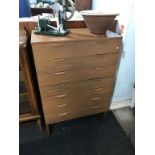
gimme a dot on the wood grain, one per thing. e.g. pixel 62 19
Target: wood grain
pixel 76 73
pixel 28 117
pixel 83 5
pixel 51 104
pixel 103 85
pixel 27 77
pixel 71 63
pixel 75 35
pixel 76 113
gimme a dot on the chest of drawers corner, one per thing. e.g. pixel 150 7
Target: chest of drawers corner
pixel 75 73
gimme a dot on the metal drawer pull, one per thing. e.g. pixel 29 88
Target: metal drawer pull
pixel 96 98
pixel 60 96
pixel 63 114
pixel 117 47
pixel 56 45
pixel 58 59
pixel 59 73
pixel 61 105
pixel 97 89
pixel 97 68
pixel 95 107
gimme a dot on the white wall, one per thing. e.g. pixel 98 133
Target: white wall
pixel 126 72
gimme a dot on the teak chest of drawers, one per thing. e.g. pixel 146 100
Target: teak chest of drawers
pixel 76 73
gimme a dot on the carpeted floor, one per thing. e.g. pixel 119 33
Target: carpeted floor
pixel 84 136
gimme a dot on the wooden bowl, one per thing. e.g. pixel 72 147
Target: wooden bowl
pixel 97 21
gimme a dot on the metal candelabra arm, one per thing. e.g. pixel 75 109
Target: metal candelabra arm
pixel 70 8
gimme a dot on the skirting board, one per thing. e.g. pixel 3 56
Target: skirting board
pixel 120 104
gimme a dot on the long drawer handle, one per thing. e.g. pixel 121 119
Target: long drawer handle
pixel 96 107
pixel 117 47
pixel 61 105
pixel 97 89
pixel 56 45
pixel 96 98
pixel 60 96
pixel 63 114
pixel 59 73
pixel 58 59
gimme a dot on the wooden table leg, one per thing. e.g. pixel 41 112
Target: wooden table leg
pixel 40 124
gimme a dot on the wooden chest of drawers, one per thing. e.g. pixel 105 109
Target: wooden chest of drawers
pixel 76 73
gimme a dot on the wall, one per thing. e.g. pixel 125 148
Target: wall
pixel 126 73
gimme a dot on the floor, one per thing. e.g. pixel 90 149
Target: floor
pixel 126 118
pixel 82 136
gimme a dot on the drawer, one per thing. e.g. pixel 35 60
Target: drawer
pixel 76 98
pixel 75 49
pixel 74 112
pixel 97 85
pixel 49 64
pixel 49 79
pixel 72 104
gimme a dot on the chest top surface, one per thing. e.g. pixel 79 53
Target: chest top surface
pixel 79 34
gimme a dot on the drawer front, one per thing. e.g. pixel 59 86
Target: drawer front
pixel 76 49
pixel 63 64
pixel 73 107
pixel 97 85
pixel 75 75
pixel 76 112
pixel 76 78
pixel 75 99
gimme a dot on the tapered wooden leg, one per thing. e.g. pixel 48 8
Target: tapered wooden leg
pixel 102 116
pixel 48 129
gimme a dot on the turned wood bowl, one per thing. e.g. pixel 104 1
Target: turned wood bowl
pixel 97 21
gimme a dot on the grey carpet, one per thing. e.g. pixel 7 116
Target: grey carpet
pixel 84 136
